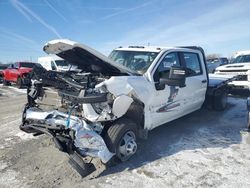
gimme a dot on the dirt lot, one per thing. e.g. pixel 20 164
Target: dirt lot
pixel 204 149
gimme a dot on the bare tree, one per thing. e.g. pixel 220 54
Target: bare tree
pixel 212 56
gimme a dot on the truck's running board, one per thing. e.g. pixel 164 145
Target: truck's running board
pixel 84 169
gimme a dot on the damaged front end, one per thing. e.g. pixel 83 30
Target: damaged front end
pixel 84 107
pixel 70 134
pixel 69 125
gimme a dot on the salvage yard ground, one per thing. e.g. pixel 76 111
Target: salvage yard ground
pixel 203 149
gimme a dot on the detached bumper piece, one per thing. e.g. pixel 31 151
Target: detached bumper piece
pixel 70 134
pixel 84 169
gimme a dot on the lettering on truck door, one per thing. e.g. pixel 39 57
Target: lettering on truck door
pixel 167 101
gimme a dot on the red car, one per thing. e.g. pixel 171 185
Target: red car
pixel 17 73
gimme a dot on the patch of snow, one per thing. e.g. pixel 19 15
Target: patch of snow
pixel 8 139
pixel 3 165
pixel 24 136
pixel 9 179
pixel 18 90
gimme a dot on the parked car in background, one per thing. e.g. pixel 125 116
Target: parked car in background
pixel 213 63
pixel 2 67
pixel 239 66
pixel 16 73
pixel 55 63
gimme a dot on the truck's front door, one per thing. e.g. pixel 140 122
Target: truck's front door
pixel 167 103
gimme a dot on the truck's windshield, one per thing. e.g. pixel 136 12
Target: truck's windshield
pixel 61 63
pixel 135 60
pixel 242 59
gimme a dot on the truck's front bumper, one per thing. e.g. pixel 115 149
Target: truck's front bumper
pixel 239 87
pixel 70 135
pixel 240 84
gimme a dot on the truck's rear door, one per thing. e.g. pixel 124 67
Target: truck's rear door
pixel 196 81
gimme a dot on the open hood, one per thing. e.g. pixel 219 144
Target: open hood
pixel 85 57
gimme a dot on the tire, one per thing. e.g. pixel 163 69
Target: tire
pixel 19 83
pixel 248 121
pixel 5 82
pixel 220 100
pixel 121 140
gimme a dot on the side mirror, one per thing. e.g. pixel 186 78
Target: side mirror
pixel 177 77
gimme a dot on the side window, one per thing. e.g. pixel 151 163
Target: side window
pixel 16 65
pixel 192 63
pixel 53 67
pixel 167 62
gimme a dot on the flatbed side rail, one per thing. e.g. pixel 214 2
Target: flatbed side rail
pixel 219 81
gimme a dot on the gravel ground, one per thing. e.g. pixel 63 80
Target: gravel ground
pixel 203 149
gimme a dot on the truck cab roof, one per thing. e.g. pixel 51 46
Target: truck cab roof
pixel 148 48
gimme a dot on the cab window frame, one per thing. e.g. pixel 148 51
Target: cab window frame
pixel 185 64
pixel 178 55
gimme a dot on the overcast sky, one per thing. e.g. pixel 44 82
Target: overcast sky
pixel 221 27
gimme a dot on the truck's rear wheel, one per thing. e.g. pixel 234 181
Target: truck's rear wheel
pixel 19 83
pixel 248 114
pixel 248 121
pixel 121 139
pixel 220 100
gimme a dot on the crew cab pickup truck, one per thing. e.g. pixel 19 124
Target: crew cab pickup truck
pixel 241 67
pixel 17 73
pixel 117 99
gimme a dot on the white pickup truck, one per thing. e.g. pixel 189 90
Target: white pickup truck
pixel 241 67
pixel 116 100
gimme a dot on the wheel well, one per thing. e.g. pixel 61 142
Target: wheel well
pixel 136 113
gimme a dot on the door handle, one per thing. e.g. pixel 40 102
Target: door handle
pixel 204 81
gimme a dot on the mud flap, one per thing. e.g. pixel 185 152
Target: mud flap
pixel 248 114
pixel 84 169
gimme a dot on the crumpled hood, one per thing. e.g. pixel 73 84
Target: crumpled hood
pixel 85 57
pixel 234 66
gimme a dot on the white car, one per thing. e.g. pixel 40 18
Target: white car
pixel 55 63
pixel 116 100
pixel 241 67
